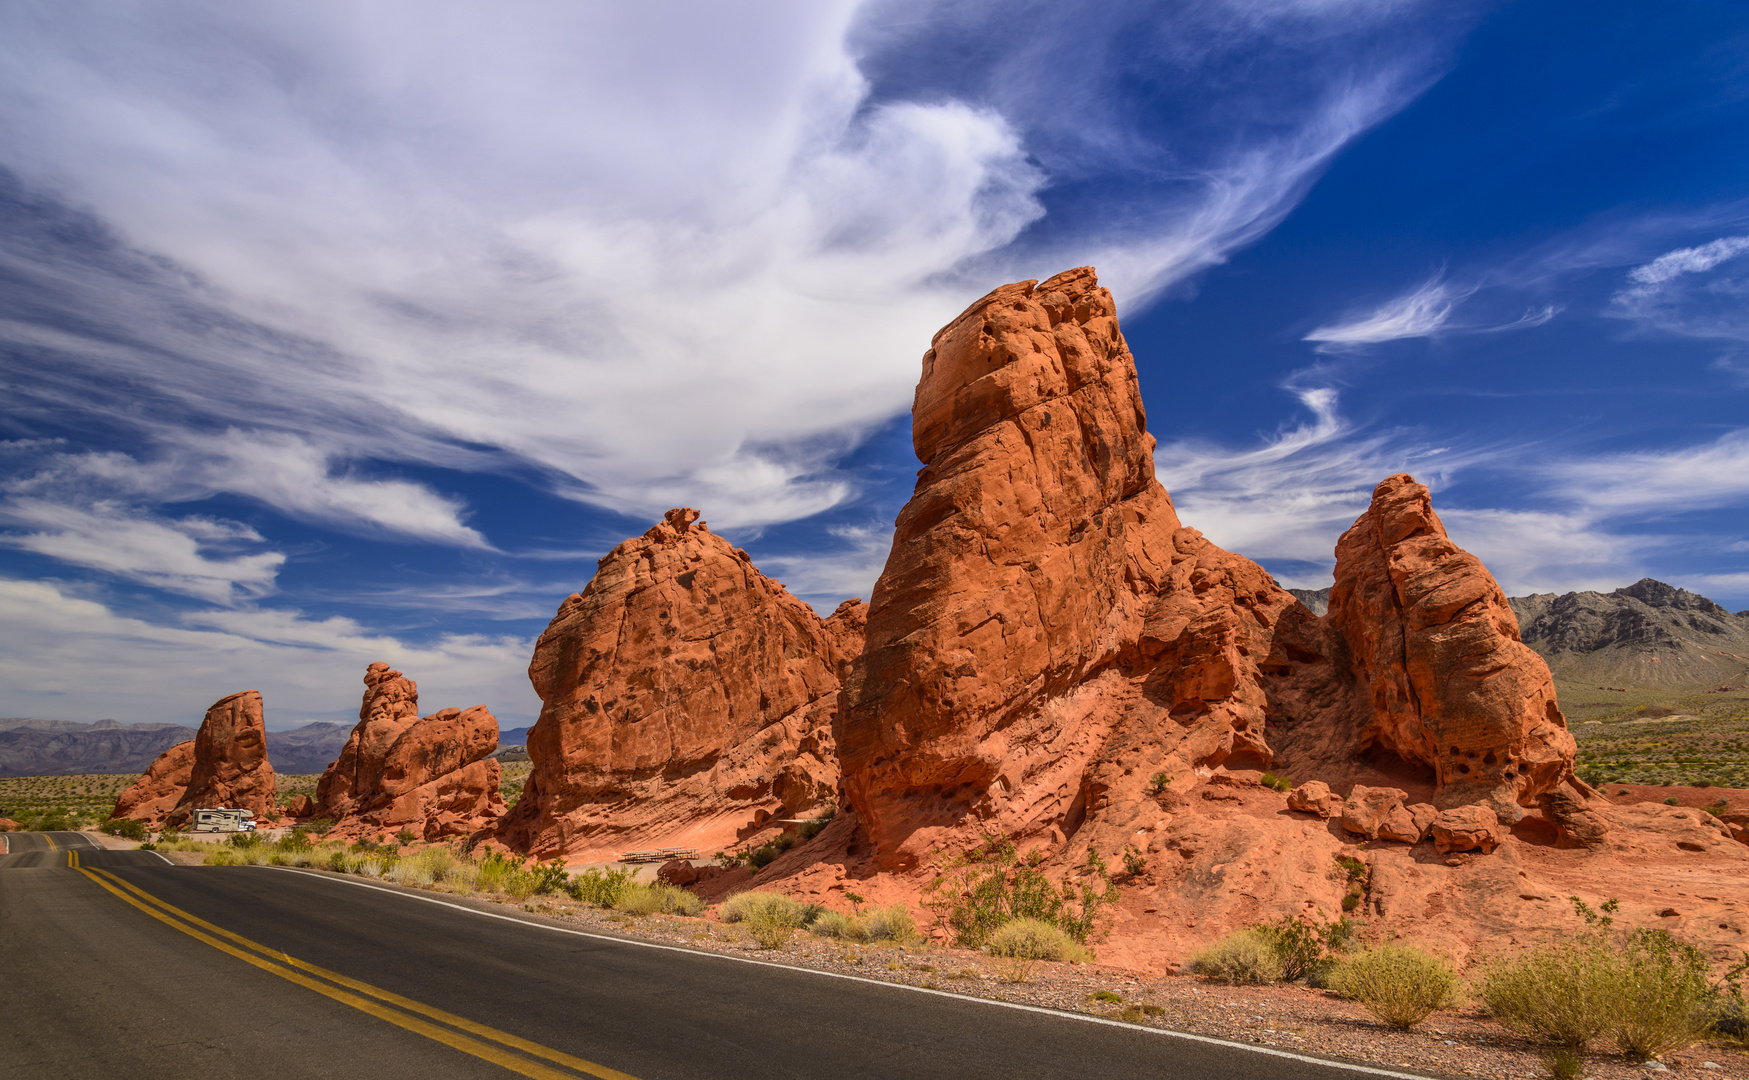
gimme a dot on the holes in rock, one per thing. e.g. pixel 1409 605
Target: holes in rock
pixel 1490 759
pixel 1464 768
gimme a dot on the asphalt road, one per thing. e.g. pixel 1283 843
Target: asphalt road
pixel 120 965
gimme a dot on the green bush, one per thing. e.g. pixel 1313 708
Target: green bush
pixel 991 885
pixel 1399 984
pixel 320 826
pixel 1279 783
pixel 1303 946
pixel 1562 993
pixel 1667 1002
pixel 599 887
pixel 892 923
pixel 126 828
pixel 1243 957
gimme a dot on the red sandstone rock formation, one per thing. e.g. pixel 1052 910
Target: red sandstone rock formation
pixel 687 699
pixel 1046 634
pixel 1436 646
pixel 151 798
pixel 430 775
pixel 230 766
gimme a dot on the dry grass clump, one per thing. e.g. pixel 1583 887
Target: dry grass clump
pixel 769 918
pixel 1025 943
pixel 1563 993
pixel 1646 990
pixel 1399 984
pixel 1245 957
pixel 657 898
pixel 892 923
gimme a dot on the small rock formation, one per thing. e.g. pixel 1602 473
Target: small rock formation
pixel 1368 809
pixel 151 798
pixel 1467 828
pixel 687 699
pixel 1436 646
pixel 1576 824
pixel 1314 797
pixel 429 775
pixel 230 766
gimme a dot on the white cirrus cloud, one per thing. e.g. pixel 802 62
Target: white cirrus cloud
pixel 656 260
pixel 1691 292
pixel 305 669
pixel 1421 312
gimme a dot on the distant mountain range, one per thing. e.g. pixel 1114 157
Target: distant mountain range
pixel 63 747
pixel 1646 635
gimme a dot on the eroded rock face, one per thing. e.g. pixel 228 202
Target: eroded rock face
pixel 1046 635
pixel 151 798
pixel 429 775
pixel 1467 828
pixel 686 698
pixel 1436 647
pixel 229 766
pixel 1577 825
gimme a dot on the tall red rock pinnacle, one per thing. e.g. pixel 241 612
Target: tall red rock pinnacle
pixel 230 766
pixel 150 798
pixel 685 697
pixel 1046 634
pixel 429 775
pixel 1436 647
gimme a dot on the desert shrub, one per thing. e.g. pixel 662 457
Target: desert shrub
pixel 1672 801
pixel 745 905
pixel 550 877
pixel 1243 957
pixel 1035 939
pixel 1563 1063
pixel 657 898
pixel 1157 783
pixel 1666 1002
pixel 499 872
pixel 892 923
pixel 991 885
pixel 339 860
pixel 599 887
pixel 319 826
pixel 1563 992
pixel 406 836
pixel 296 840
pixel 126 828
pixel 1110 997
pixel 1134 862
pixel 807 830
pixel 1303 946
pixel 1399 984
pixel 1278 783
pixel 242 840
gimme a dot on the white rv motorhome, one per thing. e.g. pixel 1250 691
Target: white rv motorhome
pixel 221 819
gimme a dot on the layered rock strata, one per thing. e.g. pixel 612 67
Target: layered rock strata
pixel 151 798
pixel 429 775
pixel 228 765
pixel 687 699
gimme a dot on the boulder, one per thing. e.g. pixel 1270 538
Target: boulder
pixel 230 766
pixel 684 694
pixel 1576 824
pixel 429 775
pixel 1408 824
pixel 151 798
pixel 1467 828
pixel 1314 797
pixel 8 825
pixel 678 872
pixel 300 806
pixel 1369 809
pixel 1436 646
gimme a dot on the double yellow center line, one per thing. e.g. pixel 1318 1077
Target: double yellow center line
pixel 486 1043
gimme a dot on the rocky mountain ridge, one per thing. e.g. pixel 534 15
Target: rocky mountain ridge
pixel 30 747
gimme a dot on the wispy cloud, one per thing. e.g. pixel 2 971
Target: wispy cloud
pixel 1680 293
pixel 1421 312
pixel 399 235
pixel 305 669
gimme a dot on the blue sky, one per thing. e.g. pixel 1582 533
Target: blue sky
pixel 332 333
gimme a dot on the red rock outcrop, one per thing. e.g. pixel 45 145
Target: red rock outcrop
pixel 686 700
pixel 230 766
pixel 1046 635
pixel 1436 647
pixel 151 798
pixel 430 775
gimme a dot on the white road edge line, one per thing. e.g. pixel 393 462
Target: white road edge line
pixel 161 855
pixel 1167 1032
